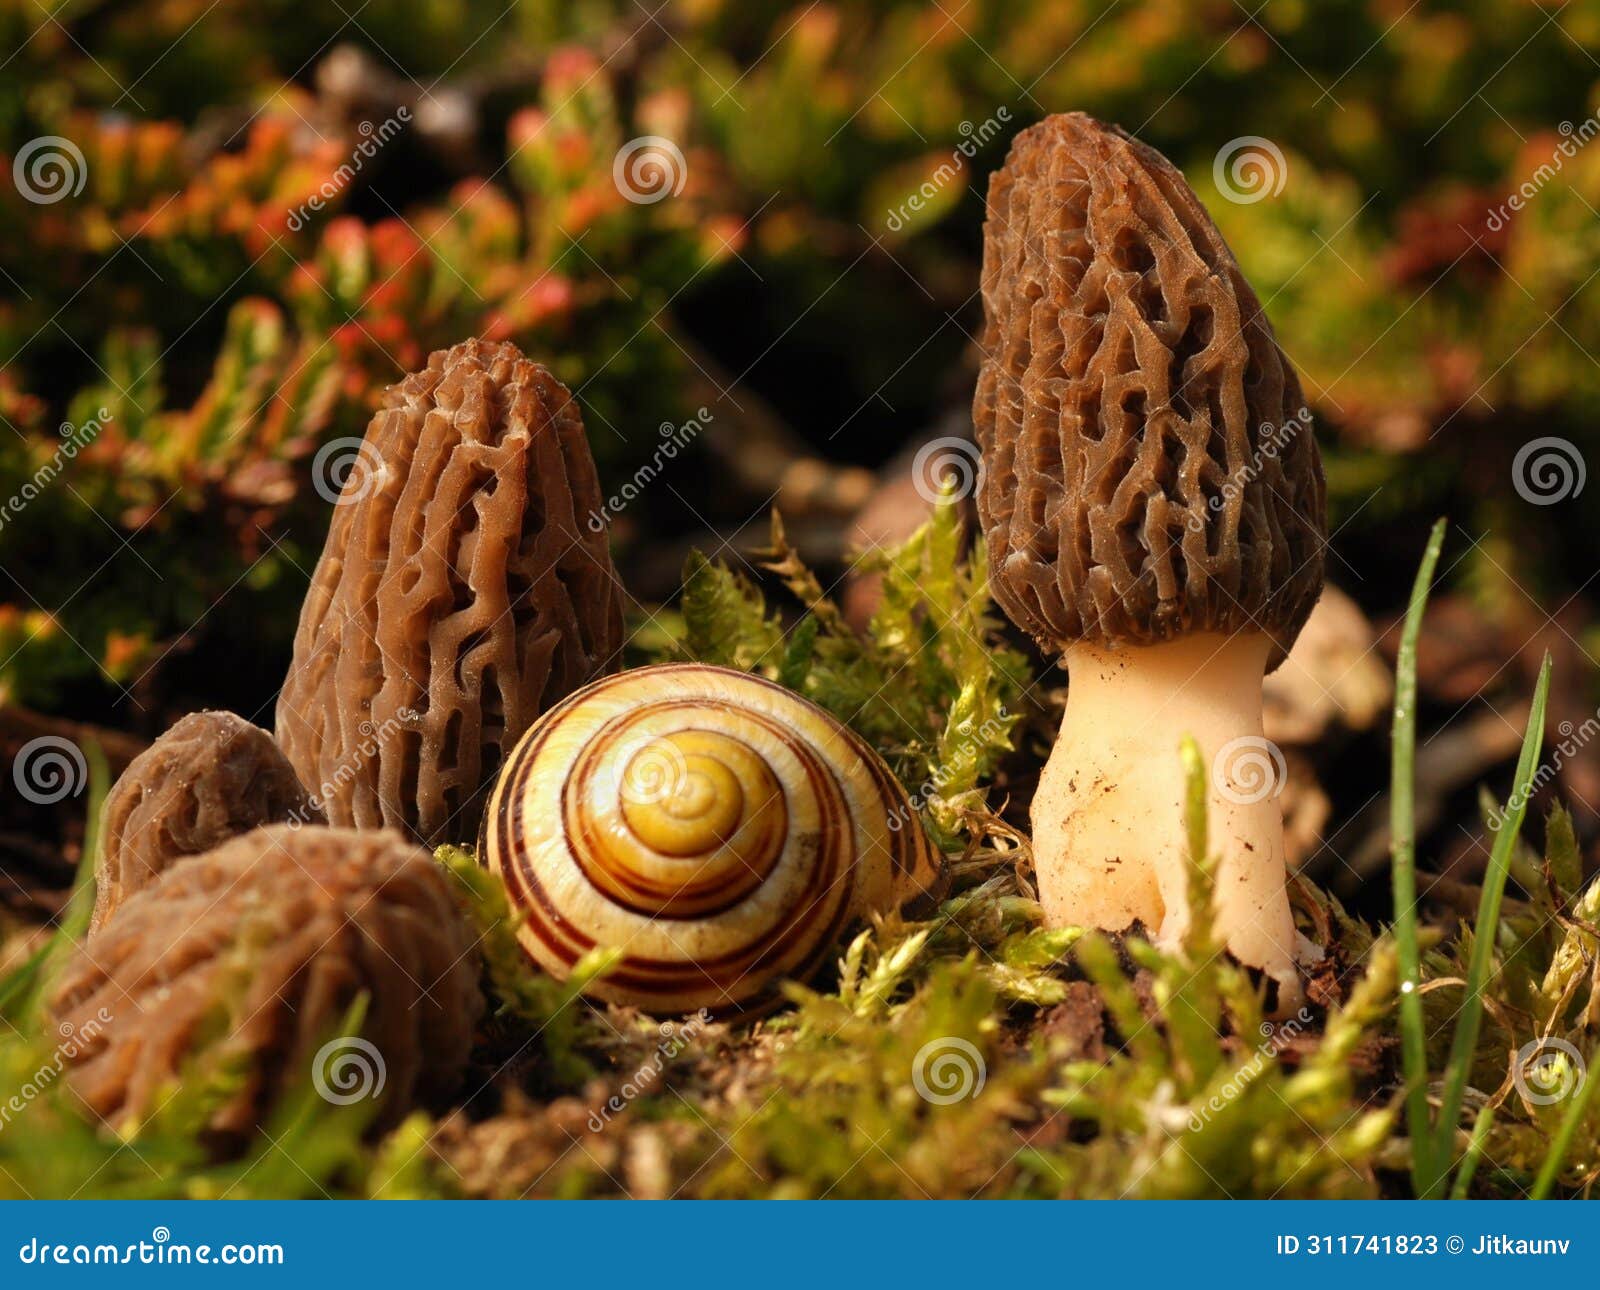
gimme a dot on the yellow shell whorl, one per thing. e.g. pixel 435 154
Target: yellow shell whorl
pixel 718 829
pixel 674 825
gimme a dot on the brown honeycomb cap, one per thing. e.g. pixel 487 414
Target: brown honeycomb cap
pixel 245 961
pixel 460 594
pixel 1150 468
pixel 211 777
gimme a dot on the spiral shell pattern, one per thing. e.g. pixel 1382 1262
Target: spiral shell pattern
pixel 718 829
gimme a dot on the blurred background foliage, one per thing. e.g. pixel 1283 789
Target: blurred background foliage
pixel 812 285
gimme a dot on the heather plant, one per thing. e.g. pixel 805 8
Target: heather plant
pixel 178 278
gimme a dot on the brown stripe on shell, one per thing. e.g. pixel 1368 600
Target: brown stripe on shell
pixel 802 937
pixel 831 884
pixel 630 890
pixel 667 977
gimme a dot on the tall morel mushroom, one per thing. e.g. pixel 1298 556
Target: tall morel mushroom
pixel 242 963
pixel 211 777
pixel 460 594
pixel 1154 504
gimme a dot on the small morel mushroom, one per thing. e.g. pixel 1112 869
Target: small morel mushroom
pixel 1154 504
pixel 211 777
pixel 460 594
pixel 243 962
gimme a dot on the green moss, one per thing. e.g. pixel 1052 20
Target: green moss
pixel 930 683
pixel 975 1053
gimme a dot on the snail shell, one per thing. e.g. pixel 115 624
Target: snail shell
pixel 718 829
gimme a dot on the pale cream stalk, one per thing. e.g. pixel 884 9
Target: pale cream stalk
pixel 1108 821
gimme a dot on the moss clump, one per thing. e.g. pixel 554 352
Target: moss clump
pixel 930 683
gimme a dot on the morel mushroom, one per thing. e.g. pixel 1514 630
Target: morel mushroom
pixel 460 594
pixel 211 777
pixel 1154 504
pixel 244 961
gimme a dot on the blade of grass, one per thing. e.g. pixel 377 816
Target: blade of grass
pixel 1473 1153
pixel 75 921
pixel 1562 1142
pixel 1470 1018
pixel 1403 832
pixel 20 989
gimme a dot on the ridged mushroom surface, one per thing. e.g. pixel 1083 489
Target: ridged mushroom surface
pixel 211 777
pixel 461 593
pixel 1150 469
pixel 245 961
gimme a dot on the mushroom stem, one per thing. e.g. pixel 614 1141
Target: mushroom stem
pixel 1108 826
